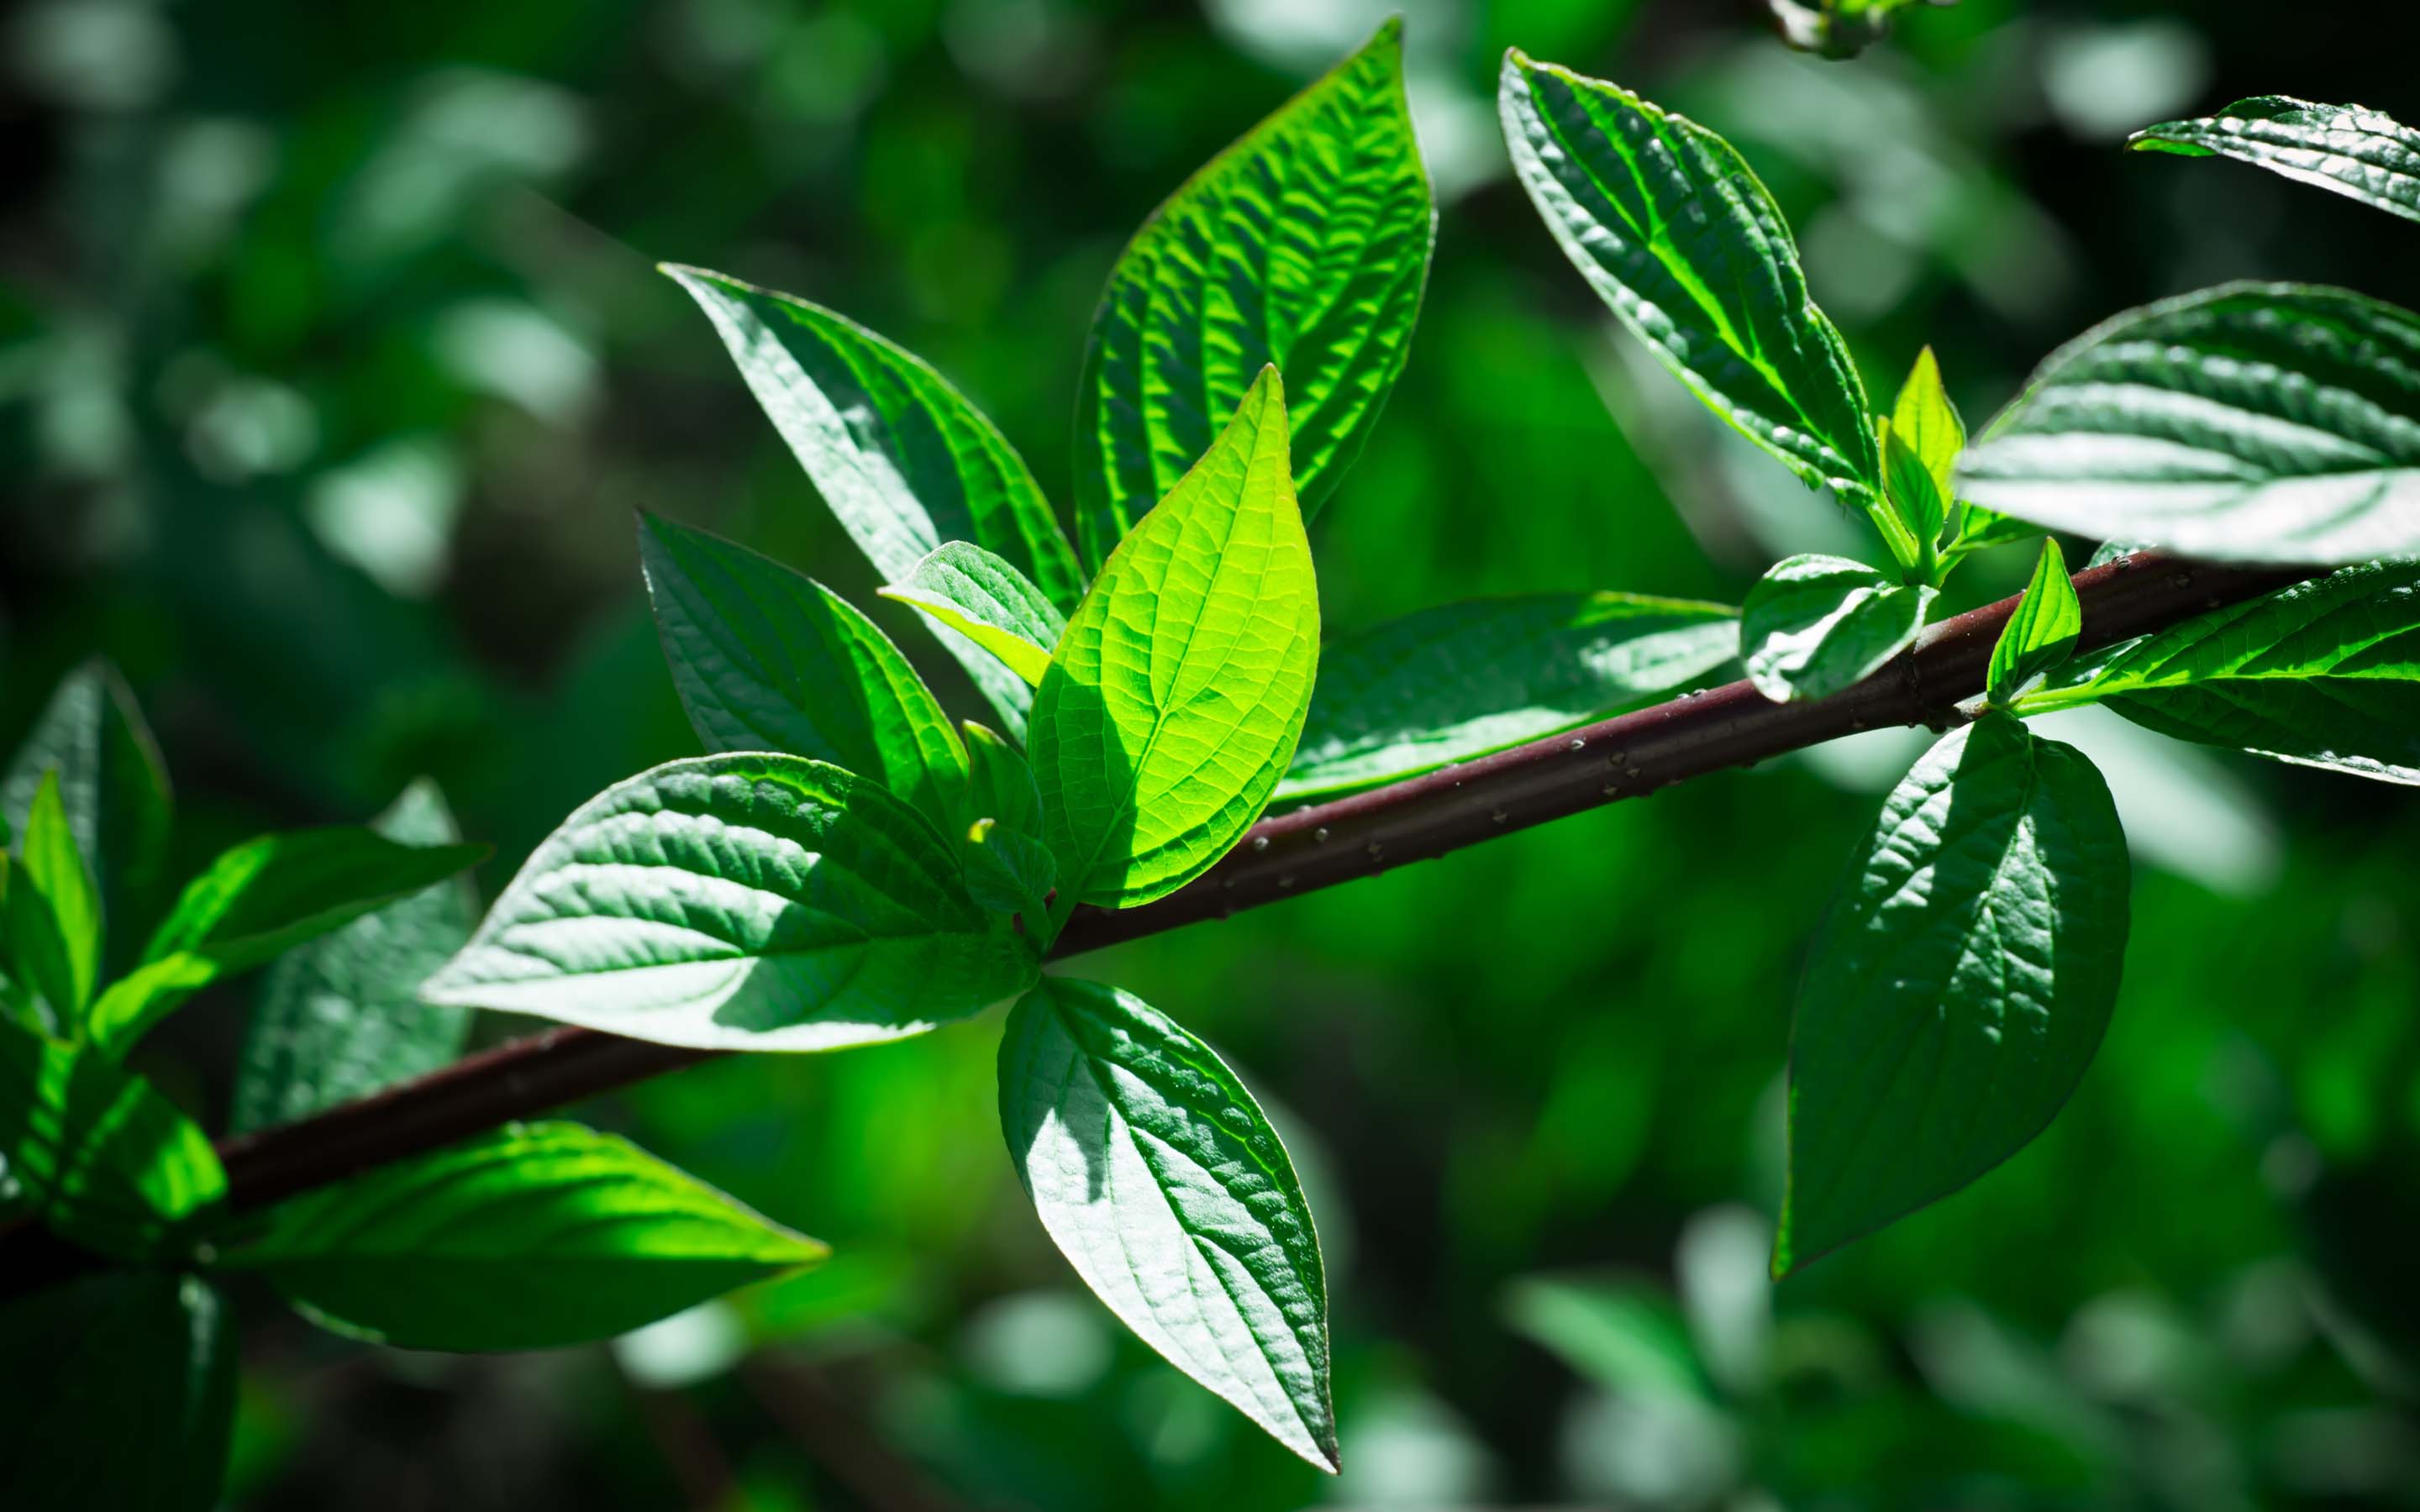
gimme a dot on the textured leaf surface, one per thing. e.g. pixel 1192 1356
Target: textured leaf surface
pixel 1175 699
pixel 340 1017
pixel 524 1239
pixel 1960 985
pixel 2351 149
pixel 989 601
pixel 1306 245
pixel 120 1394
pixel 1674 231
pixel 741 902
pixel 1161 1180
pixel 2253 421
pixel 902 458
pixel 765 658
pixel 1815 625
pixel 2041 634
pixel 94 1151
pixel 113 787
pixel 1458 680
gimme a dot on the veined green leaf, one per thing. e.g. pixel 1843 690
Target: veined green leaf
pixel 1009 864
pixel 527 1238
pixel 115 790
pixel 2323 673
pixel 1960 985
pixel 741 902
pixel 340 1017
pixel 1002 786
pixel 1924 418
pixel 1305 246
pixel 1816 624
pixel 903 459
pixel 1161 1180
pixel 2253 421
pixel 989 602
pixel 121 1395
pixel 1674 231
pixel 94 1152
pixel 2041 634
pixel 1447 684
pixel 765 658
pixel 2349 149
pixel 53 913
pixel 1175 699
pixel 259 900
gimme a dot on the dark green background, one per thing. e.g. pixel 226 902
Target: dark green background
pixel 332 368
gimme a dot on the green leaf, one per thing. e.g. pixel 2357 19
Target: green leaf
pixel 1009 865
pixel 1915 498
pixel 765 658
pixel 2253 421
pixel 1158 1177
pixel 2323 673
pixel 2348 150
pixel 121 1394
pixel 95 1153
pixel 1674 231
pixel 989 602
pixel 1924 418
pixel 742 902
pixel 1447 683
pixel 341 1017
pixel 259 900
pixel 1626 1336
pixel 2041 634
pixel 1304 246
pixel 1002 787
pixel 54 913
pixel 527 1238
pixel 1978 527
pixel 113 787
pixel 1959 986
pixel 1816 624
pixel 1175 699
pixel 905 461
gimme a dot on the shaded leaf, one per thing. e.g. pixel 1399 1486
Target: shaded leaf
pixel 1815 625
pixel 53 913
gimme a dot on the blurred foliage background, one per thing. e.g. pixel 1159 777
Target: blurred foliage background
pixel 332 364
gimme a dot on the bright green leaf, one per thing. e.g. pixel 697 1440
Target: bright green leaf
pixel 1924 418
pixel 741 902
pixel 2253 421
pixel 1460 680
pixel 765 658
pixel 1158 1177
pixel 2351 149
pixel 1816 624
pixel 1978 527
pixel 1960 984
pixel 53 913
pixel 1916 496
pixel 1674 231
pixel 1626 1336
pixel 1175 698
pixel 527 1238
pixel 2041 634
pixel 340 1017
pixel 1305 246
pixel 989 602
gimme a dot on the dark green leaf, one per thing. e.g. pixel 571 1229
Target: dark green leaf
pixel 741 902
pixel 1816 624
pixel 1447 683
pixel 1958 988
pixel 1011 871
pixel 989 602
pixel 1305 246
pixel 2351 149
pixel 2041 634
pixel 1161 1180
pixel 1002 787
pixel 524 1239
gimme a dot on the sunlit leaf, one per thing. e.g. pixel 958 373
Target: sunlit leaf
pixel 1815 625
pixel 2349 149
pixel 989 602
pixel 2042 632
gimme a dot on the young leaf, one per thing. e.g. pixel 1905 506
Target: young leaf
pixel 2041 634
pixel 121 1394
pixel 2348 150
pixel 905 461
pixel 95 1153
pixel 742 902
pixel 115 790
pixel 259 900
pixel 1978 527
pixel 1175 699
pixel 765 658
pixel 1816 624
pixel 1002 786
pixel 2252 422
pixel 1008 866
pixel 1447 684
pixel 989 602
pixel 1959 986
pixel 1924 418
pixel 1914 494
pixel 1674 231
pixel 527 1238
pixel 1305 246
pixel 341 1017
pixel 1161 1180
pixel 54 913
